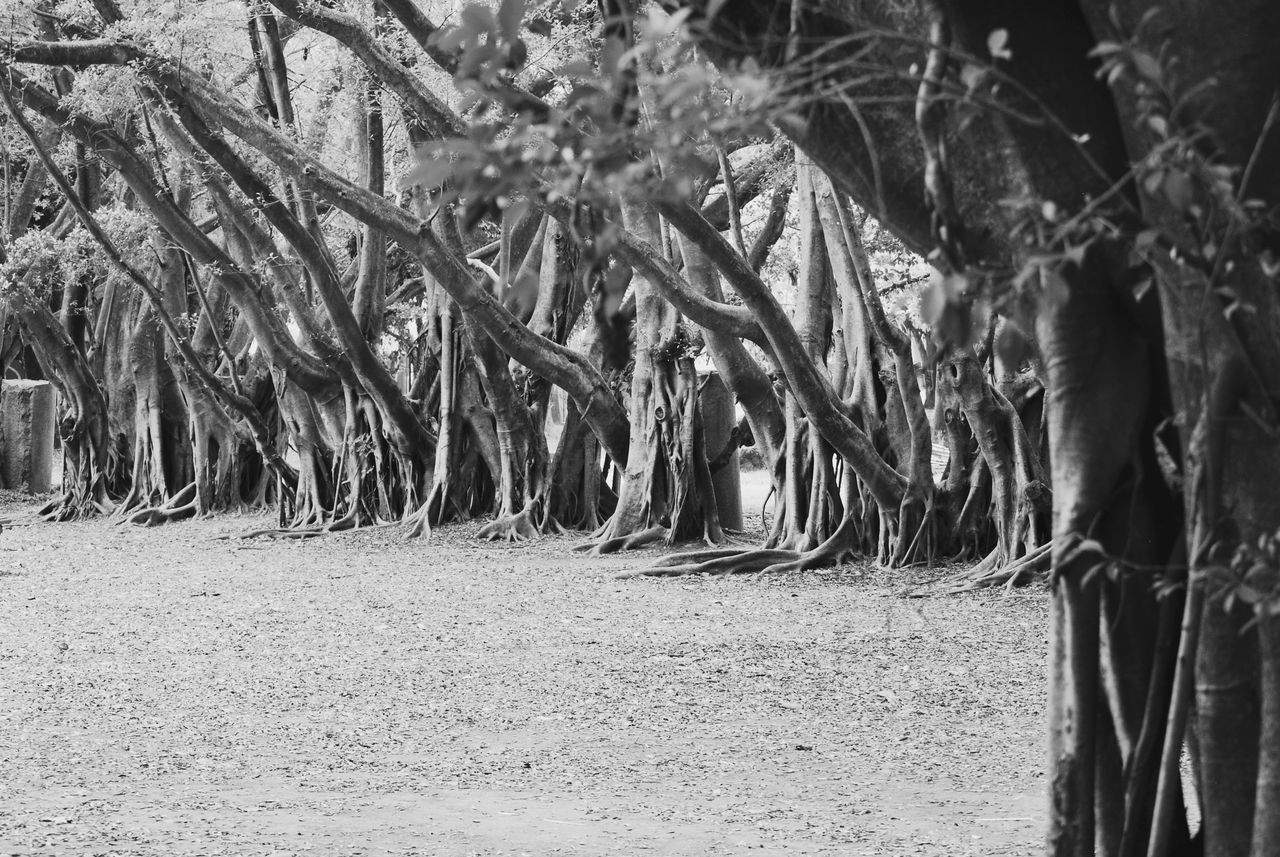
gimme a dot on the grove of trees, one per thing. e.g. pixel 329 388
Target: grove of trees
pixel 344 259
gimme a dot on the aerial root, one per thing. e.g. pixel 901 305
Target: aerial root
pixel 623 543
pixel 921 547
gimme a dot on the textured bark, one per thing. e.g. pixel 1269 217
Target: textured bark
pixel 1266 819
pixel 87 472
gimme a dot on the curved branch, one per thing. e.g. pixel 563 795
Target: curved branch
pixel 703 311
pixel 432 113
pixel 369 369
pixel 559 365
pixel 810 386
pixel 303 368
pixel 860 276
pixel 771 231
pixel 258 431
pixel 421 29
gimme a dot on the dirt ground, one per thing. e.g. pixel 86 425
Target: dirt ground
pixel 163 692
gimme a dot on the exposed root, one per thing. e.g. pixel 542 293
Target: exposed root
pixel 623 543
pixel 677 559
pixel 760 561
pixel 349 521
pixel 432 511
pixel 70 508
pixel 84 493
pixel 178 507
pixel 157 515
pixel 993 572
pixel 285 533
pixel 734 562
pixel 344 524
pixel 795 542
pixel 419 525
pixel 918 517
pixel 519 527
pixel 823 556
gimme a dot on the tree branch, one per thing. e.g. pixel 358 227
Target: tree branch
pixel 811 388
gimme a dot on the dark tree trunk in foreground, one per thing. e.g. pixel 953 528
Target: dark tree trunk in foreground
pixel 1201 344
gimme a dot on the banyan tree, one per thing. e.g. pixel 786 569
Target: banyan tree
pixel 366 268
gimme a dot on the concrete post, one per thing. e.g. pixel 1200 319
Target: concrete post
pixel 26 435
pixel 719 416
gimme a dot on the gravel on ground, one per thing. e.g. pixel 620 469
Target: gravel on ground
pixel 167 692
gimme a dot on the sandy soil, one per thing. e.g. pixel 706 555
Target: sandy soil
pixel 163 692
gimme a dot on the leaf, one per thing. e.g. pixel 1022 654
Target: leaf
pixel 1147 66
pixel 1090 546
pixel 1103 49
pixel 611 54
pixel 429 173
pixel 575 68
pixel 1269 263
pixel 997 44
pixel 1178 190
pixel 451 39
pixel 972 75
pixel 1083 547
pixel 1092 573
pixel 518 209
pixel 1011 345
pixel 1056 289
pixel 510 14
pixel 1262 577
pixel 1151 181
pixel 1075 253
pixel 713 9
pixel 477 19
pixel 933 303
pixel 955 286
pixel 1146 240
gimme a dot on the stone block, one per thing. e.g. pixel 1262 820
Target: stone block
pixel 26 435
